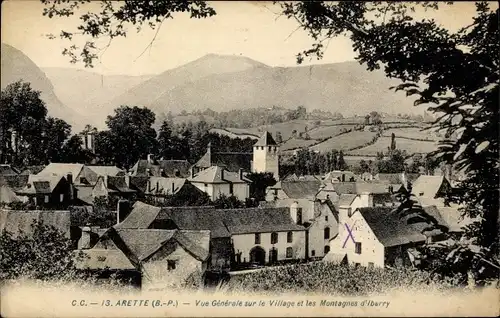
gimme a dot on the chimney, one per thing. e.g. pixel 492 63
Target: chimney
pixel 127 180
pixel 85 240
pixel 366 199
pixel 148 172
pixel 105 179
pixel 173 187
pixel 69 177
pixel 192 171
pixel 222 173
pixel 209 148
pixel 344 214
pixel 241 173
pixel 162 173
pixel 343 177
pixel 150 158
pixel 122 210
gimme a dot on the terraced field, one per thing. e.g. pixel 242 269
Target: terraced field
pixel 410 146
pixel 291 144
pixel 233 134
pixel 412 133
pixel 346 141
pixel 324 132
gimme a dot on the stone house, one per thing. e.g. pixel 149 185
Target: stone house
pixel 49 191
pixel 151 167
pixel 217 181
pixel 164 258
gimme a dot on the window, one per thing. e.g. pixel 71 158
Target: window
pixel 171 264
pixel 356 265
pixel 205 185
pixel 349 212
pixel 61 197
pixel 326 218
pixel 46 199
pixel 370 265
pixel 327 233
pixel 313 253
pixel 289 237
pixel 421 194
pixel 274 238
pixel 270 148
pixel 289 252
pixel 299 215
pixel 357 248
pixel 257 238
pixel 327 249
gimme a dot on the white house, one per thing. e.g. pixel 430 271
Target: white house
pixel 217 181
pixel 377 237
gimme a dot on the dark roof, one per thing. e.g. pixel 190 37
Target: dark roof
pixel 139 183
pixel 144 243
pixel 41 184
pixel 32 170
pixel 220 222
pixel 21 221
pixel 301 189
pixel 170 168
pixel 15 182
pixel 390 229
pixel 360 187
pixel 266 140
pixel 7 170
pixel 231 161
pixel 119 184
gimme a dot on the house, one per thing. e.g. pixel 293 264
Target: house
pixel 366 176
pixel 165 258
pixel 396 178
pixel 238 236
pixel 161 168
pixel 431 190
pixel 320 219
pixel 117 186
pixel 159 189
pixel 368 194
pixel 340 176
pixel 293 190
pixel 217 181
pixel 378 237
pixel 49 191
pixel 266 155
pixel 16 222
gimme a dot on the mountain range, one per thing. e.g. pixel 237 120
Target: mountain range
pixel 218 82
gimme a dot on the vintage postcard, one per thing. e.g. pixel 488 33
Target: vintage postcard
pixel 249 158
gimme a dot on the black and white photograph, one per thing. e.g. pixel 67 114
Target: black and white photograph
pixel 249 158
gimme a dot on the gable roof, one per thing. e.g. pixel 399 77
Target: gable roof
pixel 390 229
pixel 41 184
pixel 360 188
pixel 214 175
pixel 141 244
pixel 220 222
pixel 169 167
pixel 346 199
pixel 62 169
pixel 21 221
pixel 99 258
pixel 300 189
pixel 117 184
pixel 231 161
pixel 294 177
pixel 107 170
pixel 266 140
pixel 430 186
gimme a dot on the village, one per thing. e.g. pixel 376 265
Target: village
pixel 339 217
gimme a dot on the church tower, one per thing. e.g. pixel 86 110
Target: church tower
pixel 266 155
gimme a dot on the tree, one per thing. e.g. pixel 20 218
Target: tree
pixel 260 182
pixel 228 202
pixel 57 131
pixel 455 71
pixel 342 165
pixel 393 142
pixel 46 254
pixel 169 144
pixel 23 114
pixel 279 137
pixel 73 152
pixel 129 138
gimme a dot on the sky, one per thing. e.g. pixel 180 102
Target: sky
pixel 248 28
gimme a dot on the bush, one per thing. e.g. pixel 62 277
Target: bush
pixel 328 278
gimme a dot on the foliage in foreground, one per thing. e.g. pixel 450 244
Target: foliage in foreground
pixel 329 278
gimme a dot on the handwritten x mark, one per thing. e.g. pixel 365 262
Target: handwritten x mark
pixel 349 235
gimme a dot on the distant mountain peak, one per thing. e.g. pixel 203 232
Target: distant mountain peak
pixel 216 57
